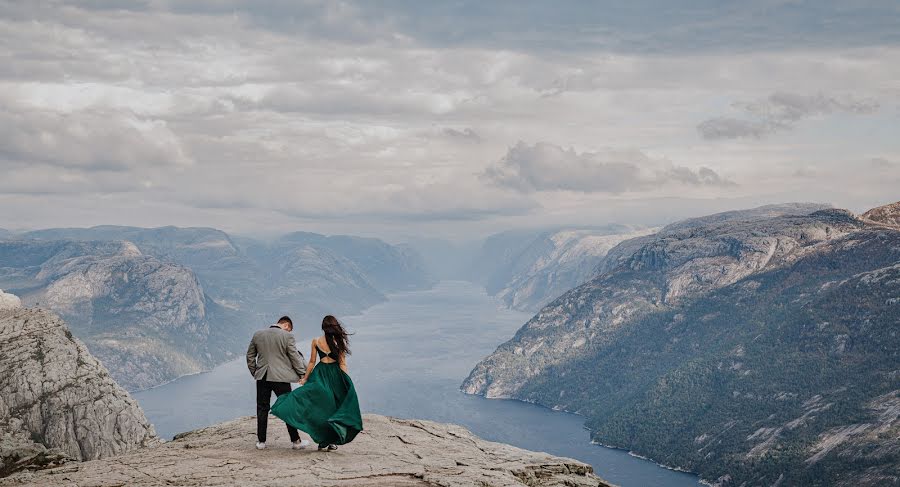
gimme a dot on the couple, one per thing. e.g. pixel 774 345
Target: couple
pixel 325 406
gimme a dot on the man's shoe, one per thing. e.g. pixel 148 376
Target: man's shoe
pixel 299 444
pixel 260 445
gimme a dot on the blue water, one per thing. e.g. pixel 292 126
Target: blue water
pixel 410 355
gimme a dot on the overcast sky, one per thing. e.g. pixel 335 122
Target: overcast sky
pixel 441 119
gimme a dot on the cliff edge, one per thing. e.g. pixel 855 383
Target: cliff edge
pixel 389 452
pixel 57 402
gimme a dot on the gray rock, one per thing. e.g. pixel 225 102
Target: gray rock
pixel 389 452
pixel 57 402
pixel 886 215
pixel 9 301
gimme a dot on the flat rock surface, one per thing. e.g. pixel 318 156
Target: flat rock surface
pixel 389 452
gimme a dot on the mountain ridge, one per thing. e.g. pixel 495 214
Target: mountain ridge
pixel 685 347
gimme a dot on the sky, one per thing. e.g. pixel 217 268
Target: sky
pixel 453 119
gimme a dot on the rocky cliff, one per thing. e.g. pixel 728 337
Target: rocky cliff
pixel 57 402
pixel 756 350
pixel 389 452
pixel 149 321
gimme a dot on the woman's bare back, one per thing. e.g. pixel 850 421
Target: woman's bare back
pixel 322 344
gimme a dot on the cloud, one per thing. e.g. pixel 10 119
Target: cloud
pixel 548 167
pixel 89 140
pixel 464 134
pixel 348 114
pixel 781 111
pixel 732 128
pixel 881 163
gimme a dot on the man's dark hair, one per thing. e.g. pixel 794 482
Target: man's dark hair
pixel 285 319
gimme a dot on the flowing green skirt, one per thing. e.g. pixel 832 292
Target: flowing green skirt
pixel 326 407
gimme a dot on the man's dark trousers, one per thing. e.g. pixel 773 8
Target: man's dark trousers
pixel 264 390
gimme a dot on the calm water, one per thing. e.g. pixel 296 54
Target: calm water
pixel 409 357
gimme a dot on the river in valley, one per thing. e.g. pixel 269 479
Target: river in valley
pixel 410 355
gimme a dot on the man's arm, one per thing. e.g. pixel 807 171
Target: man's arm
pixel 251 357
pixel 294 355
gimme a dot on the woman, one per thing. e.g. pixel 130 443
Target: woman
pixel 326 406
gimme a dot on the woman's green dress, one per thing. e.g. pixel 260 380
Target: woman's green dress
pixel 326 407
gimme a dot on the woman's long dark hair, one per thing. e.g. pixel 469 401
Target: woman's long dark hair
pixel 335 336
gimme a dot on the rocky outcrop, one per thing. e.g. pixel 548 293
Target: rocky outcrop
pixel 743 349
pixel 886 215
pixel 9 301
pixel 57 402
pixel 389 452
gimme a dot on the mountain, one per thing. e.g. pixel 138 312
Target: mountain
pixel 555 262
pixel 5 233
pixel 57 402
pixel 158 303
pixel 305 273
pixel 149 321
pixel 309 275
pixel 222 267
pixel 445 259
pixel 753 351
pixel 887 215
pixel 526 270
pixel 390 452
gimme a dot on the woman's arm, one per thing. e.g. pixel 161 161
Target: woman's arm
pixel 343 363
pixel 312 361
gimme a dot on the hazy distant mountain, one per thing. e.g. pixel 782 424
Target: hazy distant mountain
pixel 445 259
pixel 754 351
pixel 526 270
pixel 149 321
pixel 4 233
pixel 334 274
pixel 388 267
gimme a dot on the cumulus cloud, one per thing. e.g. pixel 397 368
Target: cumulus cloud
pixel 548 167
pixel 779 112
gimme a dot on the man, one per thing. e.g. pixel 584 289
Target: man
pixel 275 363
